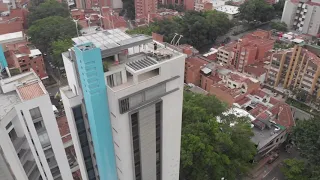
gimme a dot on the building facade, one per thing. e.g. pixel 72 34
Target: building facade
pixel 250 49
pixel 31 147
pixel 296 68
pixel 129 101
pixel 144 8
pixel 22 56
pixel 302 16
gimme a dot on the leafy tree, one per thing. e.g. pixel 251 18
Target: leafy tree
pixel 177 7
pixel 58 47
pixel 212 150
pixel 280 26
pixel 306 137
pixel 197 28
pixel 278 7
pixel 34 3
pixel 45 31
pixel 128 9
pixel 294 169
pixel 256 10
pixel 46 9
pixel 144 30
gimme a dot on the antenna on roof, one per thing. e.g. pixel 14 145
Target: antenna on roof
pixel 177 43
pixel 76 22
pixel 172 41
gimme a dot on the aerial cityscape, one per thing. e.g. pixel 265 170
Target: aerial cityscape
pixel 159 89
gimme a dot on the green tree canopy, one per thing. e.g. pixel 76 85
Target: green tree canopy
pixel 306 136
pixel 46 9
pixel 294 169
pixel 212 150
pixel 45 31
pixel 280 26
pixel 197 28
pixel 58 47
pixel 256 10
pixel 128 9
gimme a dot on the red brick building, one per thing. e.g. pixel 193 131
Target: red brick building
pixel 144 8
pixel 189 5
pixel 23 56
pixel 250 49
pixel 193 66
pixel 109 20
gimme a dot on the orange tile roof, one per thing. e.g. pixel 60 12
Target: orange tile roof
pixel 30 91
pixel 283 115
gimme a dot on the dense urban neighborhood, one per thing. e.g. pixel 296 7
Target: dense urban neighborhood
pixel 159 89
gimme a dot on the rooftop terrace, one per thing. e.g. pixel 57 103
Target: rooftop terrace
pixel 112 41
pixel 19 88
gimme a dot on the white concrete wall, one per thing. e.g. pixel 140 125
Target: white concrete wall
pixel 171 121
pixel 9 151
pixel 315 20
pixel 49 120
pixel 70 69
pixel 288 13
pixel 68 103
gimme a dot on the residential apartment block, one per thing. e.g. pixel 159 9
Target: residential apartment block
pixel 22 56
pixel 295 68
pixel 250 49
pixel 120 115
pixel 302 16
pixel 31 147
pixel 144 8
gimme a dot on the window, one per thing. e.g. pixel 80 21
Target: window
pixel 13 135
pixel 114 79
pixel 8 125
pixel 158 138
pixel 35 113
pixel 38 125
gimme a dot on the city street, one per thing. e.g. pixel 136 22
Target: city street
pixel 275 174
pixel 273 171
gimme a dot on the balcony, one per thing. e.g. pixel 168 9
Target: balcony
pixel 43 137
pixel 18 142
pixel 29 166
pixel 49 153
pixel 35 174
pixel 23 155
pixel 53 163
pixel 37 119
pixel 55 172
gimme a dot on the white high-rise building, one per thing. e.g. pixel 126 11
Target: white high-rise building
pixel 302 16
pixel 129 88
pixel 30 143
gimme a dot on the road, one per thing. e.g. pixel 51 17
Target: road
pixel 272 171
pixel 61 80
pixel 275 174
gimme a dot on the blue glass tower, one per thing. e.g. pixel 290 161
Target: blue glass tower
pixel 3 61
pixel 95 95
